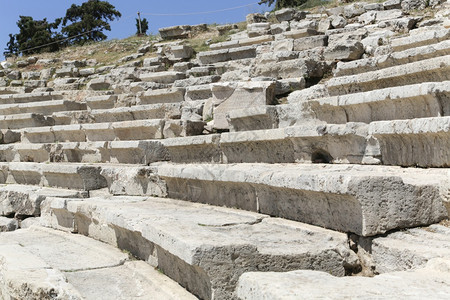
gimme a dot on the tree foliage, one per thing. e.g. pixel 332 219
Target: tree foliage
pixel 32 34
pixel 144 26
pixel 86 22
pixel 11 47
pixel 283 3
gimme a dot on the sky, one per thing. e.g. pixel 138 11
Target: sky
pixel 10 10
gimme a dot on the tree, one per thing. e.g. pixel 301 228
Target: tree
pixel 11 47
pixel 88 20
pixel 34 36
pixel 283 3
pixel 144 26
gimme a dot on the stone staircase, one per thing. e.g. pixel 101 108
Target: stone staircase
pixel 277 165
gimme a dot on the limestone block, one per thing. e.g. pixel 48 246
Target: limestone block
pixel 102 271
pixel 25 120
pixel 179 52
pixel 326 192
pixel 101 102
pixel 310 42
pixel 354 10
pixel 177 128
pixel 138 130
pixel 172 95
pixel 196 81
pixel 417 142
pixel 135 152
pixel 162 77
pixel 87 72
pixel 295 34
pixel 410 249
pixel 427 70
pixel 8 224
pixel 338 22
pixel 420 38
pixel 194 149
pixel 98 132
pixel 285 14
pixel 393 59
pixel 175 32
pixel 431 282
pixel 26 276
pixel 230 96
pixel 210 57
pixel 344 48
pixel 205 277
pixel 255 18
pixel 392 4
pixel 198 92
pixel 408 5
pixel 20 200
pixel 279 28
pixel 99 84
pixel 253 118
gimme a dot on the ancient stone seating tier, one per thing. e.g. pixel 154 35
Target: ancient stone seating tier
pixel 275 165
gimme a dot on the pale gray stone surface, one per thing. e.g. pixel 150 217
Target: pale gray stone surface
pixel 8 224
pixel 23 200
pixel 410 140
pixel 432 282
pixel 433 69
pixel 70 176
pixel 79 268
pixel 423 100
pixel 230 96
pixel 320 187
pixel 393 59
pixel 199 245
pixel 410 249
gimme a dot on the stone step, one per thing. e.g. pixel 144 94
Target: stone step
pixel 432 282
pixel 427 70
pixel 417 142
pixel 78 268
pixel 126 152
pixel 73 95
pixel 25 200
pixel 366 200
pixel 392 59
pixel 30 97
pixel 119 114
pixel 13 90
pixel 422 100
pixel 18 121
pixel 84 177
pixel 172 95
pixel 410 249
pixel 101 102
pixel 126 130
pixel 203 248
pixel 229 96
pixel 253 118
pixel 43 107
pixel 420 37
pixel 215 56
pixel 314 143
pixel 242 42
pixel 162 77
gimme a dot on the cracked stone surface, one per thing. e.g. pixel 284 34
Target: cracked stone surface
pixel 41 263
pixel 432 282
pixel 204 248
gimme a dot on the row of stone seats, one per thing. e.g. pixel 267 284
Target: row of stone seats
pixel 207 248
pixel 398 142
